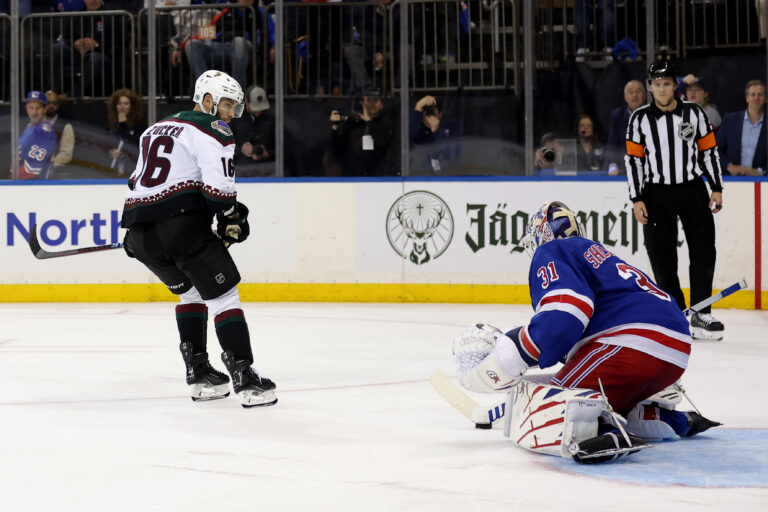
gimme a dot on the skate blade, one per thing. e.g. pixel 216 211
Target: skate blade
pixel 205 392
pixel 615 451
pixel 262 399
pixel 698 333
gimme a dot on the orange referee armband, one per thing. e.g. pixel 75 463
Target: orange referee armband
pixel 635 149
pixel 707 142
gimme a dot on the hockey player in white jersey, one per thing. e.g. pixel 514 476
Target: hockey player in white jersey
pixel 623 341
pixel 185 177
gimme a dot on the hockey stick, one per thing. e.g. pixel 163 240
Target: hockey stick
pixel 483 416
pixel 716 297
pixel 42 254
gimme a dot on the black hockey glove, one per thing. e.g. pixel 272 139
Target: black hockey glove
pixel 233 228
pixel 128 244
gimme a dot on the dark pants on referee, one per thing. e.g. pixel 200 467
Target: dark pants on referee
pixel 690 202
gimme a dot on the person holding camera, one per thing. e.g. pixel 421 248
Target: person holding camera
pixel 436 135
pixel 365 142
pixel 549 154
pixel 254 135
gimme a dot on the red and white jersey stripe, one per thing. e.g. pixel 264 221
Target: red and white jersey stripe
pixel 569 302
pixel 528 345
pixel 665 344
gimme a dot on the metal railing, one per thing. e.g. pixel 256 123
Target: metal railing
pixel 193 30
pixel 590 29
pixel 5 58
pixel 451 44
pixel 334 49
pixel 84 54
pixel 720 24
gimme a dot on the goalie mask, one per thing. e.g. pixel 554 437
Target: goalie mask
pixel 219 85
pixel 553 220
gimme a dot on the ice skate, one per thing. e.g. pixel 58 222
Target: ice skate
pixel 206 382
pixel 706 327
pixel 607 447
pixel 252 389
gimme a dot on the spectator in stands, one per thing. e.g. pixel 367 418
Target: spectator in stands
pixel 697 91
pixel 232 48
pixel 364 51
pixel 186 23
pixel 741 137
pixel 604 26
pixel 365 142
pixel 589 151
pixel 437 139
pixel 635 97
pixel 125 116
pixel 254 135
pixel 37 143
pixel 65 132
pixel 83 57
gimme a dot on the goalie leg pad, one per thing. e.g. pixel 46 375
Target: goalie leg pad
pixel 550 419
pixel 645 421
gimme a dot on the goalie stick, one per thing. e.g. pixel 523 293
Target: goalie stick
pixel 482 415
pixel 42 254
pixel 716 297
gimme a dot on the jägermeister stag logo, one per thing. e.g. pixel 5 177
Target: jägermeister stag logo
pixel 419 226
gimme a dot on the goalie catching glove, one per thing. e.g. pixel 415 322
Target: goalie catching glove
pixel 232 225
pixel 488 360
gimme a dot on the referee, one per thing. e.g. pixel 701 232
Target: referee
pixel 670 145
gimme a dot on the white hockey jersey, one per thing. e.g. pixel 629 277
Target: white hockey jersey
pixel 185 163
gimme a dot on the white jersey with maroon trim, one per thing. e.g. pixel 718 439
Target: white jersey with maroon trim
pixel 185 163
pixel 581 292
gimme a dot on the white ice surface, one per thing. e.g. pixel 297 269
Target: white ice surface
pixel 95 416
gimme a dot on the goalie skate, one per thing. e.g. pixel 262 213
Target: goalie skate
pixel 205 382
pixel 606 448
pixel 252 389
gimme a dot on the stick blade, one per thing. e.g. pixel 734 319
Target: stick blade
pixel 34 244
pixel 482 415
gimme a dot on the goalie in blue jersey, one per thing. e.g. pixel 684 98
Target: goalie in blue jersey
pixel 623 341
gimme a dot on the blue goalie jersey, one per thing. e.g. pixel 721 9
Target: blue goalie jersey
pixel 581 293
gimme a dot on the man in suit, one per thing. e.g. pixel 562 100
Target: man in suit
pixel 741 137
pixel 634 96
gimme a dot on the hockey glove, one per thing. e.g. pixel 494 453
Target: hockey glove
pixel 233 228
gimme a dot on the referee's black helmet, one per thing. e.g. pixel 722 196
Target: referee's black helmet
pixel 662 69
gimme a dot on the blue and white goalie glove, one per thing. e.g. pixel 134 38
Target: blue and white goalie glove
pixel 479 352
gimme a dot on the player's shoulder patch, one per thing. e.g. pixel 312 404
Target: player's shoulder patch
pixel 221 127
pixel 47 127
pixel 211 125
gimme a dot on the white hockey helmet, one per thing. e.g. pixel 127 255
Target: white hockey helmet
pixel 219 85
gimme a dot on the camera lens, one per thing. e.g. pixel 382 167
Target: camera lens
pixel 548 154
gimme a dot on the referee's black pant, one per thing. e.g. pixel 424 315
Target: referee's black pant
pixel 689 202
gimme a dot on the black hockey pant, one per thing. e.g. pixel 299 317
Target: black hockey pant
pixel 690 203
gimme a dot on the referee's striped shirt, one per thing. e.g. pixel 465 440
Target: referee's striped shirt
pixel 664 148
